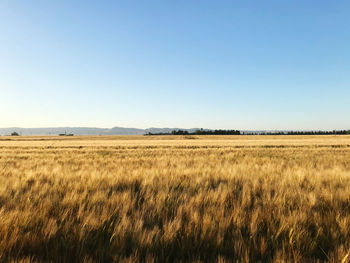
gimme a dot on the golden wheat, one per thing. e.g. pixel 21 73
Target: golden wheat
pixel 174 198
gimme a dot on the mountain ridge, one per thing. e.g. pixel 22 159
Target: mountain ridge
pixel 116 131
pixel 87 130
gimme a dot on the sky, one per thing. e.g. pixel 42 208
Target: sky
pixel 252 65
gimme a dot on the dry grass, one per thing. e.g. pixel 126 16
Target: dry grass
pixel 165 199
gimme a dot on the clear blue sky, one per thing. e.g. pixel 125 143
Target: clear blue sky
pixel 177 63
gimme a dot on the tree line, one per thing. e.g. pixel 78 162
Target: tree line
pixel 237 132
pixel 198 132
pixel 334 132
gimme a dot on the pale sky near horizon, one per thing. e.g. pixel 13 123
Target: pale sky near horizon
pixel 213 64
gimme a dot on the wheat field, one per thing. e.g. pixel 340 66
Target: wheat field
pixel 175 199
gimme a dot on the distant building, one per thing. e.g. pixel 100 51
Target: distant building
pixel 65 134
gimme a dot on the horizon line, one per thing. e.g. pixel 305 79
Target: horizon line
pixel 153 127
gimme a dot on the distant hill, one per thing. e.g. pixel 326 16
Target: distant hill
pixel 87 131
pixel 132 131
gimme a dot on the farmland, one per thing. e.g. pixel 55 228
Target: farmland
pixel 175 198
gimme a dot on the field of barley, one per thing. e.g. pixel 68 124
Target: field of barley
pixel 175 199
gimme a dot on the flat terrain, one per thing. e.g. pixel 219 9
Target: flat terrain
pixel 175 198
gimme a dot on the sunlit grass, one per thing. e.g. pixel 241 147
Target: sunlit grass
pixel 104 199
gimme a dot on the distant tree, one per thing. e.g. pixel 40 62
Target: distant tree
pixel 15 134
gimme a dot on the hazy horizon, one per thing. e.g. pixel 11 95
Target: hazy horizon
pixel 254 65
pixel 153 127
